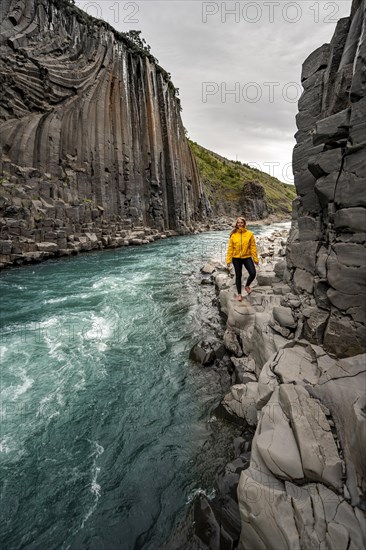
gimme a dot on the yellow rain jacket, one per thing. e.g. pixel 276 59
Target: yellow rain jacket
pixel 242 245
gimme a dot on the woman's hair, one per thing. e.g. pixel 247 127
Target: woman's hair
pixel 241 219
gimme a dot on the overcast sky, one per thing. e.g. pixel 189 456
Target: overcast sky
pixel 254 49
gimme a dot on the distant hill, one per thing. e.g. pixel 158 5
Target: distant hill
pixel 235 188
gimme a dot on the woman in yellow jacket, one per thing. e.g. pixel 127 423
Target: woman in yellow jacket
pixel 242 250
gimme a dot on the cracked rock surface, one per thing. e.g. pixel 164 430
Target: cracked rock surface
pixel 304 486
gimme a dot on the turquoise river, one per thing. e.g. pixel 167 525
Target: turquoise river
pixel 107 428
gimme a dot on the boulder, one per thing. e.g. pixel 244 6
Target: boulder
pixel 279 268
pixel 205 352
pixel 284 317
pixel 208 268
pixel 241 401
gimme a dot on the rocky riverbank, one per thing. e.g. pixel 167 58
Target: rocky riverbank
pixel 299 483
pixel 41 218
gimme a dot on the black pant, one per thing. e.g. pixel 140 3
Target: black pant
pixel 238 266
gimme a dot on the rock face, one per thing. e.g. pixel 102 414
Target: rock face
pixel 253 202
pixel 90 132
pixel 326 255
pixel 305 484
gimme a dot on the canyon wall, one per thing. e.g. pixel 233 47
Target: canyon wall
pixel 91 137
pixel 326 256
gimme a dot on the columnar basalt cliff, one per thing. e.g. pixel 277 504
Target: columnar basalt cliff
pixel 326 255
pixel 90 132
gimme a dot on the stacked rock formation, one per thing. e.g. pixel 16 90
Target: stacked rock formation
pixel 326 256
pixel 253 203
pixel 297 342
pixel 91 136
pixel 304 485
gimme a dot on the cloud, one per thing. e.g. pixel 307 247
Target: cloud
pixel 259 42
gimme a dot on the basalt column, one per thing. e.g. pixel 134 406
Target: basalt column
pixel 326 255
pixel 96 119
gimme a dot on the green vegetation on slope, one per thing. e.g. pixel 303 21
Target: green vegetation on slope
pixel 223 179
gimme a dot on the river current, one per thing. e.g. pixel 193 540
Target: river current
pixel 107 429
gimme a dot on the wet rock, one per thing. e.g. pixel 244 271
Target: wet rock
pixel 208 268
pixel 206 525
pixel 207 352
pixel 207 281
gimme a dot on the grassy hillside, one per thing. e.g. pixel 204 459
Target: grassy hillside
pixel 223 181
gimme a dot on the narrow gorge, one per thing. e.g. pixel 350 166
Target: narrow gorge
pixel 94 155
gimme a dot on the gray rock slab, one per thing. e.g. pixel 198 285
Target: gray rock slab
pixel 344 278
pixel 325 188
pixel 304 280
pixel 350 219
pixel 309 229
pixel 350 190
pixel 273 435
pixel 332 128
pixel 343 388
pixel 266 513
pixel 353 255
pixel 284 317
pixel 303 255
pixel 326 162
pixel 304 181
pixel 319 455
pixel 296 365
